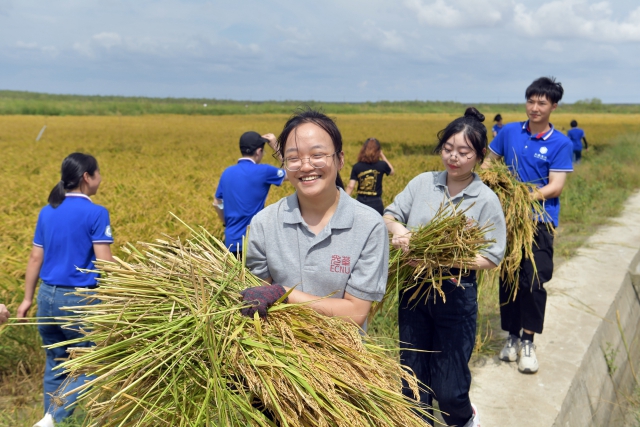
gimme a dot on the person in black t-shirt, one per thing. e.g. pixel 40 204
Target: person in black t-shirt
pixel 368 172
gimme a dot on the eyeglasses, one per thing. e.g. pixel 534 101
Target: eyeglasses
pixel 317 161
pixel 460 156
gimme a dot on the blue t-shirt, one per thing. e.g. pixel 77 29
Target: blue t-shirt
pixel 534 156
pixel 576 135
pixel 497 128
pixel 243 188
pixel 67 234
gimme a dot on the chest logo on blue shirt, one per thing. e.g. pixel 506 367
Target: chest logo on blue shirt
pixel 340 264
pixel 541 154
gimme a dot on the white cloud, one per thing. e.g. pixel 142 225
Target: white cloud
pixel 388 40
pixel 32 46
pixel 577 19
pixel 553 46
pixel 460 13
pixel 111 43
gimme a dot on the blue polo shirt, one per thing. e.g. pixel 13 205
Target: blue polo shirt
pixel 576 135
pixel 497 128
pixel 243 188
pixel 534 156
pixel 67 234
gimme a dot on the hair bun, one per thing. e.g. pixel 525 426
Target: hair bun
pixel 474 113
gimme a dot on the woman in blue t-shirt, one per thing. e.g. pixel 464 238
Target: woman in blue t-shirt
pixel 368 172
pixel 498 126
pixel 71 234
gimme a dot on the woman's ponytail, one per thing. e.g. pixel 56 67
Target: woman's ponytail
pixel 339 182
pixel 57 195
pixel 72 171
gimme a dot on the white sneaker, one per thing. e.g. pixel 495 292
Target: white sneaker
pixel 528 362
pixel 475 421
pixel 509 352
pixel 47 421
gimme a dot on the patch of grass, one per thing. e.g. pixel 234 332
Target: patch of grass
pixel 596 191
pixel 32 103
pixel 154 164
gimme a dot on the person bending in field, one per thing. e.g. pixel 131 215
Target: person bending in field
pixel 4 313
pixel 540 155
pixel 498 126
pixel 368 172
pixel 243 188
pixel 437 337
pixel 71 233
pixel 576 135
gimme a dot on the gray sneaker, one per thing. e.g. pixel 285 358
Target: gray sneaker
pixel 509 352
pixel 528 362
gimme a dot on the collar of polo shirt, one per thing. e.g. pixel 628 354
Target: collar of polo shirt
pixel 542 135
pixel 472 190
pixel 343 217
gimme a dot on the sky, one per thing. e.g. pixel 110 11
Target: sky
pixel 344 51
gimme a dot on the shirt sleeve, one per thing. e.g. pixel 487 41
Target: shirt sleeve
pixel 219 194
pixel 274 176
pixel 101 228
pixel 498 231
pixel 403 202
pixel 386 168
pixel 38 238
pixel 497 145
pixel 561 162
pixel 256 250
pixel 368 279
pixel 354 173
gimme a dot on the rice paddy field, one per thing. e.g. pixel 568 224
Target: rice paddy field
pixel 156 164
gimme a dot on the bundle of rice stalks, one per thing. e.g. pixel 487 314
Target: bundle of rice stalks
pixel 449 241
pixel 521 215
pixel 173 349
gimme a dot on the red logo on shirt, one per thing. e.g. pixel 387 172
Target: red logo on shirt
pixel 340 264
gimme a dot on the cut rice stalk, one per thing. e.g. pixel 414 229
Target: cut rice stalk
pixel 173 349
pixel 449 241
pixel 521 214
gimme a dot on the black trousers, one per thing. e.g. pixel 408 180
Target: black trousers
pixel 372 201
pixel 527 310
pixel 447 331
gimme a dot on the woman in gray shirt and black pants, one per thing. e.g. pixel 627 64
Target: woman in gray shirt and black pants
pixel 445 332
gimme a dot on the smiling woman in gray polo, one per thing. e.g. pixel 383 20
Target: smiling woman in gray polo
pixel 318 240
pixel 437 336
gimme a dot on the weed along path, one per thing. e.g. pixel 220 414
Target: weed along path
pixel 583 356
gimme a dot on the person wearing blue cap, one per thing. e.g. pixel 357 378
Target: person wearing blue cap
pixel 541 156
pixel 243 188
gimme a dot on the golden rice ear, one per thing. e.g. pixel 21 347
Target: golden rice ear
pixel 173 349
pixel 521 215
pixel 449 240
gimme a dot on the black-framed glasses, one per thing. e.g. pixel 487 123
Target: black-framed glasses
pixel 317 161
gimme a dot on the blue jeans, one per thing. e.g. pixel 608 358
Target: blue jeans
pixel 447 331
pixel 50 299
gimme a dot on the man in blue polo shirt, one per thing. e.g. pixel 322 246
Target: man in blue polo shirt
pixel 576 135
pixel 540 155
pixel 243 188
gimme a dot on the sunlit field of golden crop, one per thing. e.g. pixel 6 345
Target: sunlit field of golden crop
pixel 153 165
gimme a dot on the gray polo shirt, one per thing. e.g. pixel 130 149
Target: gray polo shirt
pixel 350 254
pixel 417 204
